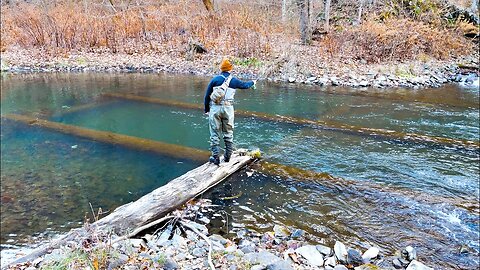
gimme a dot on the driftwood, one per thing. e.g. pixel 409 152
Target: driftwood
pixel 156 204
pixel 172 195
pixel 330 125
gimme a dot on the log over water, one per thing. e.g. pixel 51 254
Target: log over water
pixel 155 204
pixel 329 125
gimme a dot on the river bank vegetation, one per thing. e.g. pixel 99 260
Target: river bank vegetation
pixel 282 39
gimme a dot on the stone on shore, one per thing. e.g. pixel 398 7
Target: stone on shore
pixel 324 250
pixel 409 253
pixel 354 257
pixel 312 255
pixel 416 265
pixel 330 262
pixel 340 251
pixel 371 253
pixel 262 257
pixel 280 231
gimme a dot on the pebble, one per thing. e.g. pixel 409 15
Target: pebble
pixel 330 262
pixel 280 265
pixel 409 253
pixel 281 231
pixel 230 249
pixel 399 263
pixel 354 257
pixel 199 252
pixel 340 251
pixel 297 233
pixel 262 257
pixel 371 253
pixel 170 264
pixel 312 255
pixel 246 246
pixel 324 250
pixel 218 238
pixel 416 265
pixel 258 267
pixel 368 266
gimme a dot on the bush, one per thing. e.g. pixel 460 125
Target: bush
pixel 396 39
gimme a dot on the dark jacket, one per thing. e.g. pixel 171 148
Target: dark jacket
pixel 217 81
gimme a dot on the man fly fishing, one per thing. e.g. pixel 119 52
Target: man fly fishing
pixel 219 107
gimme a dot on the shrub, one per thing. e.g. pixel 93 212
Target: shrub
pixel 396 39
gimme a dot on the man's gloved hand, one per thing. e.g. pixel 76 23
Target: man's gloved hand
pixel 254 86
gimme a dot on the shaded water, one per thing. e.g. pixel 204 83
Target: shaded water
pixel 380 205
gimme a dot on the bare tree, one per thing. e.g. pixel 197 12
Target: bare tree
pixel 304 12
pixel 360 10
pixel 327 15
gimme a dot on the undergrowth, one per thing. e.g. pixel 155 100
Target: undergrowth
pixel 249 32
pixel 395 40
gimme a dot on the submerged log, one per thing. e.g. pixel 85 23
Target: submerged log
pixel 329 125
pixel 136 143
pixel 270 168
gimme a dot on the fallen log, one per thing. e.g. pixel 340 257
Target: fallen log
pixel 172 195
pixel 156 204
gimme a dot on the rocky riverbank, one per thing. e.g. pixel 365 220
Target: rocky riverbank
pixel 184 242
pixel 297 66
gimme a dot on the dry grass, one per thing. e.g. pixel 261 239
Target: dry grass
pixel 395 40
pixel 237 29
pixel 170 25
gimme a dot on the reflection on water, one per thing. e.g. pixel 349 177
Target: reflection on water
pixel 48 179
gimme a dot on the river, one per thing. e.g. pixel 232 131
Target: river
pixel 363 189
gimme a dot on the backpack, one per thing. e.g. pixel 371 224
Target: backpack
pixel 219 92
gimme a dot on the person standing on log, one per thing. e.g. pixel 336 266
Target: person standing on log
pixel 218 103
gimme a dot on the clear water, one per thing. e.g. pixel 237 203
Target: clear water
pixel 49 180
pixel 388 194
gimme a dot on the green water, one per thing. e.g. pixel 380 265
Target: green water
pixel 386 193
pixel 49 179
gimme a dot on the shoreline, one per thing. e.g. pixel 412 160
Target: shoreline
pixel 413 75
pixel 183 241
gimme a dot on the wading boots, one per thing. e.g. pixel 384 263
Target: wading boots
pixel 215 160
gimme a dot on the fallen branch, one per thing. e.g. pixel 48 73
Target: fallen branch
pixel 195 230
pixel 142 228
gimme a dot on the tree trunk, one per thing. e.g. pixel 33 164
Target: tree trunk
pixel 304 11
pixel 360 10
pixel 327 15
pixel 209 5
